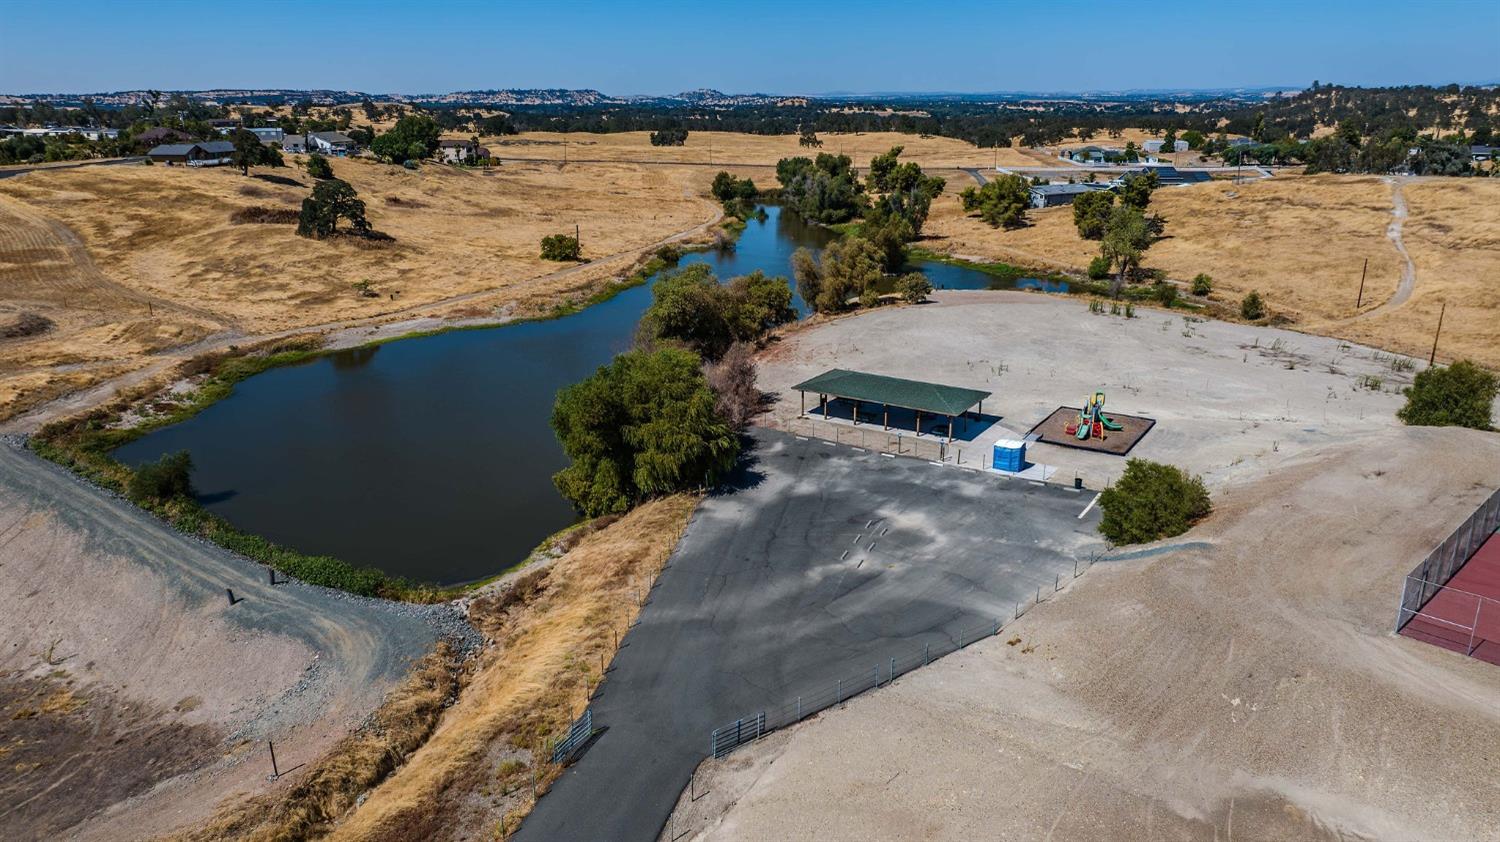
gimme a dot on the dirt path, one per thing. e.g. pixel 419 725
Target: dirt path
pixel 349 332
pixel 105 602
pixel 1408 268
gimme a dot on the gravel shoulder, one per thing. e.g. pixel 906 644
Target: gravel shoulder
pixel 105 602
pixel 1248 686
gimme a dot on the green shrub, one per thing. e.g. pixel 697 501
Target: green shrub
pixel 1202 284
pixel 669 254
pixel 1459 395
pixel 1152 501
pixel 646 424
pixel 1252 308
pixel 168 478
pixel 1166 293
pixel 914 287
pixel 1099 268
pixel 318 167
pixel 726 187
pixel 560 247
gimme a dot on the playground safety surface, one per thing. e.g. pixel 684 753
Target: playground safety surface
pixel 1119 442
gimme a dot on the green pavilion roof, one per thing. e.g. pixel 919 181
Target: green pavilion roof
pixel 893 391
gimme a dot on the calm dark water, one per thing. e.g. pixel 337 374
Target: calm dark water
pixel 432 458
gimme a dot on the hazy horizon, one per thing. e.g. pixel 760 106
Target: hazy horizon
pixel 664 47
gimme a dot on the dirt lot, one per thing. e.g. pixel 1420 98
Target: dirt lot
pixel 127 261
pixel 1250 689
pixel 1230 400
pixel 125 670
pixel 1302 242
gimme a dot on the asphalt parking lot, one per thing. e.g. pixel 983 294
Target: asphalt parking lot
pixel 819 560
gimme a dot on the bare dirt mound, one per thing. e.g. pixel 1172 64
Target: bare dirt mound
pixel 67 751
pixel 135 697
pixel 1249 689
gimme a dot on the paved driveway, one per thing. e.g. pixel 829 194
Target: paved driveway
pixel 775 590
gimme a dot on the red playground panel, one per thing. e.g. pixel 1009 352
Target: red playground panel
pixel 1465 615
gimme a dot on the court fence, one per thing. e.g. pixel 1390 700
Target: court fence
pixel 1434 572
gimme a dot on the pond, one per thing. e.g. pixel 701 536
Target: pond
pixel 432 458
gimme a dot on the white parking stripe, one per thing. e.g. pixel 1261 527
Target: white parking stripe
pixel 1089 506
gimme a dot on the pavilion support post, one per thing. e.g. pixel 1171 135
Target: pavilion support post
pixel 886 418
pixel 919 423
pixel 823 400
pixel 856 413
pixel 803 412
pixel 950 428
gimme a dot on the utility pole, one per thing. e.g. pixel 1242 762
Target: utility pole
pixel 577 238
pixel 1433 357
pixel 1361 297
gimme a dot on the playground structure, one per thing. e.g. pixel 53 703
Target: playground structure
pixel 1091 421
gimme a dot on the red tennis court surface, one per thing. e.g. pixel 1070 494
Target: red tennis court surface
pixel 1465 615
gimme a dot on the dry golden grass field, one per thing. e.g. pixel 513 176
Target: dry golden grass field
pixel 930 152
pixel 1453 235
pixel 128 261
pixel 1301 241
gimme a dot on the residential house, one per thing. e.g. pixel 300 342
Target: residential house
pixel 1052 195
pixel 335 144
pixel 1241 141
pixel 1171 176
pixel 269 134
pixel 162 134
pixel 1156 145
pixel 458 151
pixel 1483 153
pixel 210 153
pixel 294 142
pixel 224 126
pixel 1091 154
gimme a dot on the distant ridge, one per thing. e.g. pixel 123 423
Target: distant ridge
pixel 586 97
pixel 569 97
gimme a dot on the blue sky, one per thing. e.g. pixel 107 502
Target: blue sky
pixel 666 46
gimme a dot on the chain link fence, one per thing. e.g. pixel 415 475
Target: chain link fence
pixel 1432 575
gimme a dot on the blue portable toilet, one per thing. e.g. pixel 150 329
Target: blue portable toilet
pixel 1010 455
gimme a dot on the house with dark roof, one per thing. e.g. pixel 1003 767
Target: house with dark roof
pixel 294 142
pixel 1171 176
pixel 1052 195
pixel 162 134
pixel 210 153
pixel 335 144
pixel 1091 154
pixel 1483 153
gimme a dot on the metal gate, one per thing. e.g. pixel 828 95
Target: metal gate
pixel 578 734
pixel 726 739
